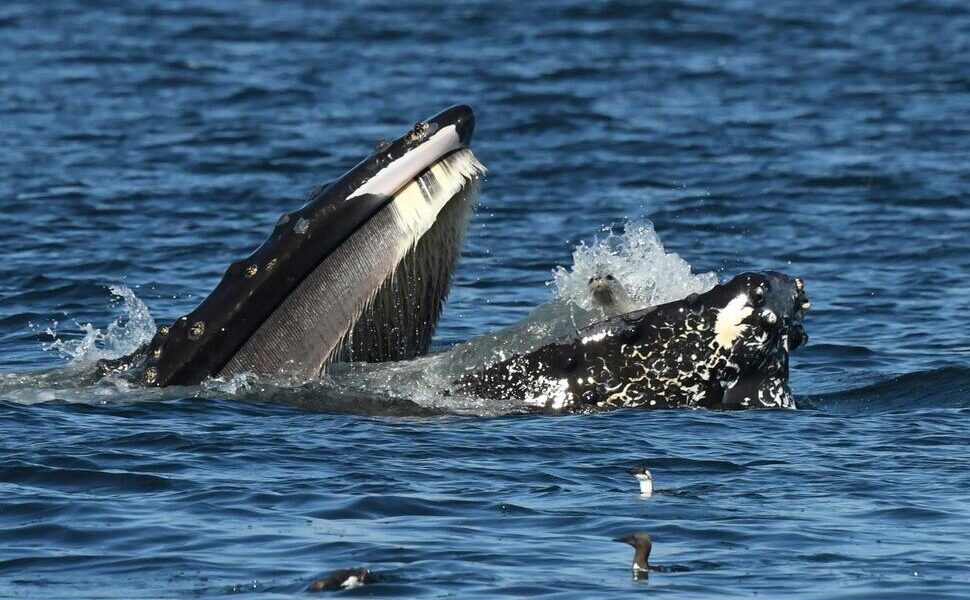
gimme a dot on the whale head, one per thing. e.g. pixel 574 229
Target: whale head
pixel 726 348
pixel 359 272
pixel 757 321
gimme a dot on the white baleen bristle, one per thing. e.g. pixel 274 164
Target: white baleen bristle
pixel 417 204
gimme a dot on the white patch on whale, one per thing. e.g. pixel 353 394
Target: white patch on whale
pixel 728 325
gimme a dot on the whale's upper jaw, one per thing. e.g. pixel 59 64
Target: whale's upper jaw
pixel 393 164
pixel 391 199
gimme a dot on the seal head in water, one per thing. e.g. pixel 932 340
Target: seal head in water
pixel 609 295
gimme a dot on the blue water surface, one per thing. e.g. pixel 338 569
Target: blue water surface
pixel 148 144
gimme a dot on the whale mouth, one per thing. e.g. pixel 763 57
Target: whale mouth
pixel 360 272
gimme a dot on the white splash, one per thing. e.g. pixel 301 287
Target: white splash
pixel 237 385
pixel 130 330
pixel 637 259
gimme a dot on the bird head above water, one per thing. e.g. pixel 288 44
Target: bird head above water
pixel 642 544
pixel 645 478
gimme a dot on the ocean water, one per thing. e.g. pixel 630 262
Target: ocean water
pixel 148 144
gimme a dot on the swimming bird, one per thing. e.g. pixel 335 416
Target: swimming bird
pixel 645 478
pixel 642 544
pixel 343 579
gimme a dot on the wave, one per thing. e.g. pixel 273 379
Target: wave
pixel 134 327
pixel 945 387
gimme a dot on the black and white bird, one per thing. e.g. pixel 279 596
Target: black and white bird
pixel 645 477
pixel 343 579
pixel 642 544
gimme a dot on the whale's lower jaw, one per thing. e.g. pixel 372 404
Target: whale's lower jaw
pixel 378 296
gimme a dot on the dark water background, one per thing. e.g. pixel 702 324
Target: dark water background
pixel 147 144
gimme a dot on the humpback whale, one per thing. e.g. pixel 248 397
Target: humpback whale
pixel 724 349
pixel 360 272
